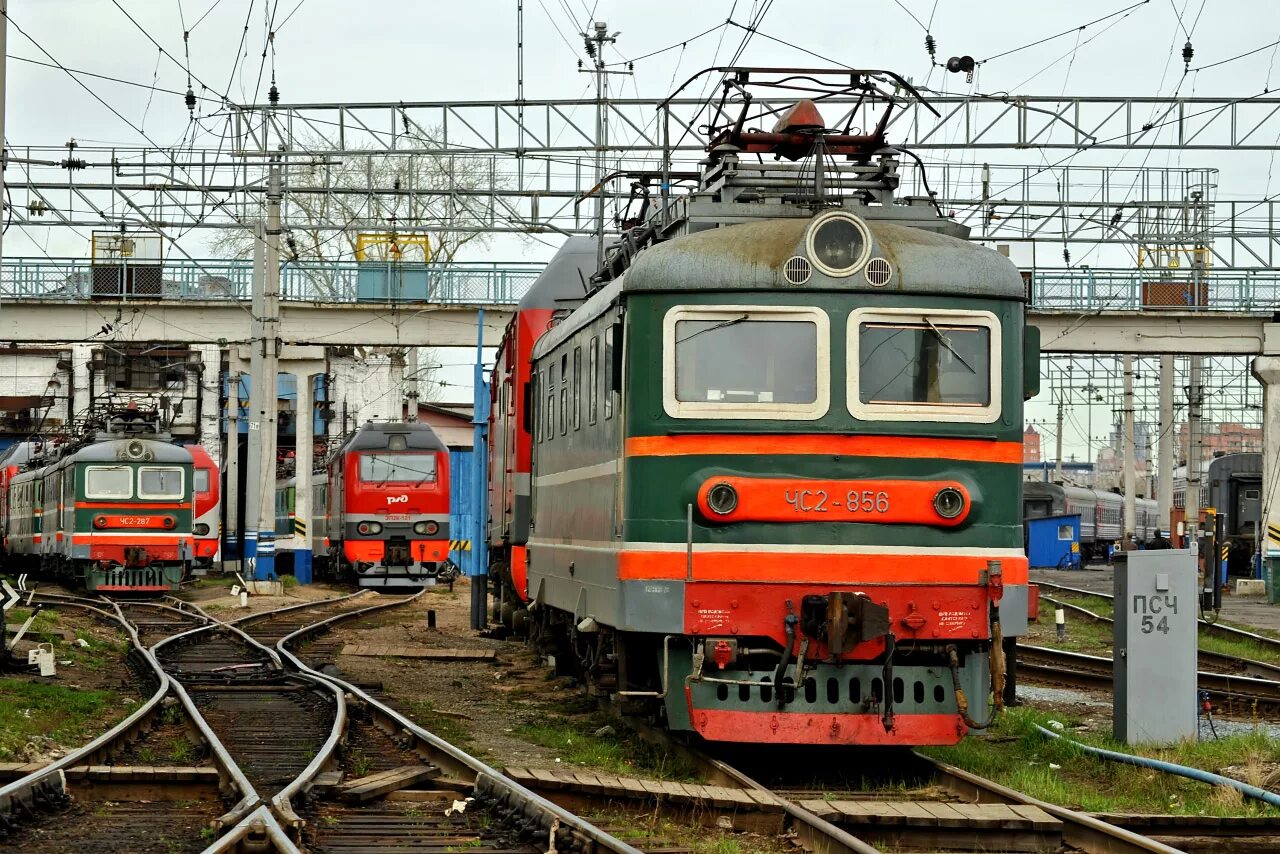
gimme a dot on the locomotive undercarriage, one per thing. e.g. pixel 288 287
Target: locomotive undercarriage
pixel 141 575
pixel 920 693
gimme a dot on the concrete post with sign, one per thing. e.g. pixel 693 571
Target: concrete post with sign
pixel 1155 647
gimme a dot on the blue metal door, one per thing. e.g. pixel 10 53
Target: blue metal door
pixel 462 504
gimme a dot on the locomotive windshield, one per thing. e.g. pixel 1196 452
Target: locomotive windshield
pixel 924 363
pixel 108 482
pixel 741 360
pixel 158 482
pixel 398 468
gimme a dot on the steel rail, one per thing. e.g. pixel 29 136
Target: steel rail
pixel 1080 830
pixel 1096 671
pixel 1224 631
pixel 489 782
pixel 814 833
pixel 1230 663
pixel 250 798
pixel 254 832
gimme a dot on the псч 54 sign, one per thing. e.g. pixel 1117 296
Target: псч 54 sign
pixel 762 499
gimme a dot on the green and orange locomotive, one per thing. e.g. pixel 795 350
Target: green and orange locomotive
pixel 775 469
pixel 111 512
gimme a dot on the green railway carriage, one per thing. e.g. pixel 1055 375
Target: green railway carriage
pixel 776 477
pixel 113 515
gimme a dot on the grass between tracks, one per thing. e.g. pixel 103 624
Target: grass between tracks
pixel 39 714
pixel 1015 754
pixel 583 735
pixel 36 716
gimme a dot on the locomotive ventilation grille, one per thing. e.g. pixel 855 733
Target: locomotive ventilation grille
pixel 878 272
pixel 798 270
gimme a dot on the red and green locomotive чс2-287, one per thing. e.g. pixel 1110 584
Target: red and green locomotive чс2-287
pixel 112 514
pixel 776 452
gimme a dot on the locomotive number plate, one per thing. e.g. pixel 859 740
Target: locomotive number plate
pixel 397 517
pixel 881 501
pixel 865 502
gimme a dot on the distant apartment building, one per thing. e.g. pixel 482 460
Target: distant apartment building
pixel 1031 445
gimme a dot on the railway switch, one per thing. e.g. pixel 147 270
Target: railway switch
pixel 1155 647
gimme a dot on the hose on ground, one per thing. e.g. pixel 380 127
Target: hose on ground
pixel 1170 768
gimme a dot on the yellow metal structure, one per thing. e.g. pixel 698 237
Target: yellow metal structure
pixel 389 246
pixel 1173 257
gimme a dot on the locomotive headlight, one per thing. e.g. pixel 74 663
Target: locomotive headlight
pixel 169 522
pixel 426 528
pixel 99 521
pixel 949 502
pixel 369 528
pixel 200 530
pixel 722 499
pixel 839 243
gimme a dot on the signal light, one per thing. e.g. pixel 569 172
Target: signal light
pixel 426 528
pixel 200 530
pixel 99 521
pixel 367 529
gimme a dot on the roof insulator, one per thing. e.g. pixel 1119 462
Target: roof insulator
pixel 1187 52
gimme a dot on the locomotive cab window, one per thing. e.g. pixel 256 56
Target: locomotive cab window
pixel 398 468
pixel 201 481
pixel 924 366
pixel 160 482
pixel 108 482
pixel 746 362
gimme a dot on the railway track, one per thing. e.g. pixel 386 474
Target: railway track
pixel 1214 629
pixel 277 756
pixel 1233 694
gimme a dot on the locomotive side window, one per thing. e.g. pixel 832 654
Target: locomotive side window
pixel 608 362
pixel 551 401
pixel 577 388
pixel 564 394
pixel 200 482
pixel 108 482
pixel 934 366
pixel 593 379
pixel 159 482
pixel 746 362
pixel 398 468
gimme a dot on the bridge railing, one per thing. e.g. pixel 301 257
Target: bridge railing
pixel 301 281
pixel 1087 289
pixel 1081 289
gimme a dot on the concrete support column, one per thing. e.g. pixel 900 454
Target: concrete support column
pixel 1195 396
pixel 254 475
pixel 1266 369
pixel 78 393
pixel 303 453
pixel 1168 437
pixel 1057 444
pixel 231 491
pixel 396 396
pixel 1130 460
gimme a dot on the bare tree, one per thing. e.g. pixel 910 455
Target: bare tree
pixel 329 203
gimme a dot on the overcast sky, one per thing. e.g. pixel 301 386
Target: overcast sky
pixel 386 50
